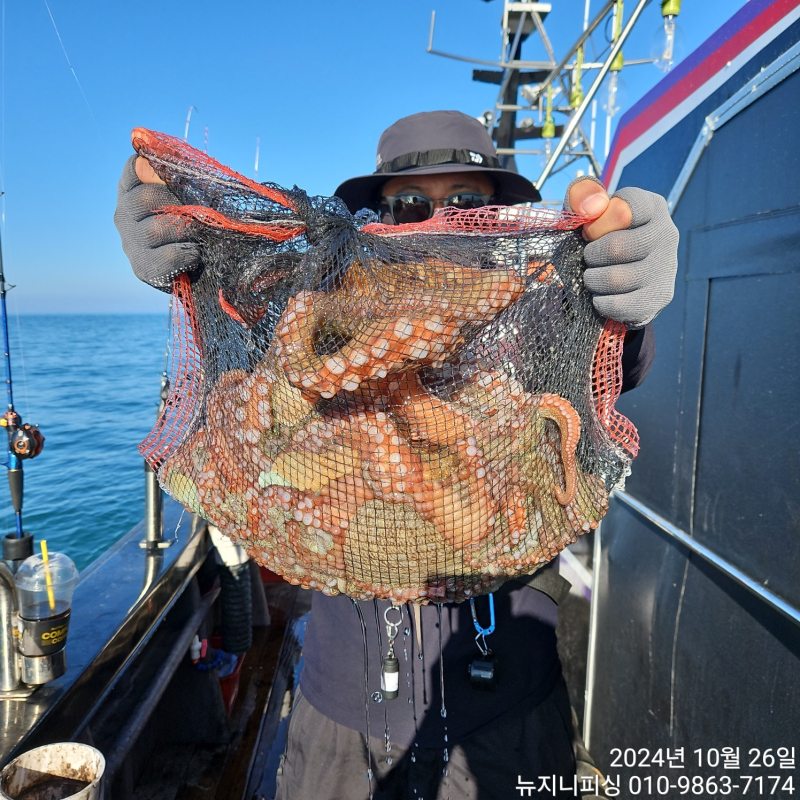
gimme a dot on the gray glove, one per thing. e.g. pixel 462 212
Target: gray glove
pixel 631 273
pixel 155 245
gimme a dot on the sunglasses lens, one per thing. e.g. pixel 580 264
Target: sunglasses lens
pixel 411 208
pixel 407 208
pixel 466 201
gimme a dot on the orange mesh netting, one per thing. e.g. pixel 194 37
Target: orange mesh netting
pixel 416 412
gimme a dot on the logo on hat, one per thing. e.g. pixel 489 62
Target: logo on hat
pixel 378 161
pixel 476 157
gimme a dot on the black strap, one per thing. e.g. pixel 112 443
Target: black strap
pixel 430 158
pixel 547 580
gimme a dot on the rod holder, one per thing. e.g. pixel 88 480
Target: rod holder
pixel 9 657
pixel 16 549
pixel 36 670
pixel 153 512
pixel 153 495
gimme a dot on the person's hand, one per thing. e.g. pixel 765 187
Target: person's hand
pixel 145 173
pixel 156 247
pixel 632 251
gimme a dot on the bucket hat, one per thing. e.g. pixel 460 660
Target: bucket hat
pixel 434 142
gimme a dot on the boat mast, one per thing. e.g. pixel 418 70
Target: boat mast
pixel 541 87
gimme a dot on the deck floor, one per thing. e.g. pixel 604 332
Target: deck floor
pixel 245 768
pixel 235 770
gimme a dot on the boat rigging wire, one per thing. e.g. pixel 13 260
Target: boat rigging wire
pixel 69 63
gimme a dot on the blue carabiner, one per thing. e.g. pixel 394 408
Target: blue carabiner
pixel 490 629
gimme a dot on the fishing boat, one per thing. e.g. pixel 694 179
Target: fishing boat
pixel 681 630
pixel 695 570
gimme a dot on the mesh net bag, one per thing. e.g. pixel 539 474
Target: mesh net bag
pixel 413 412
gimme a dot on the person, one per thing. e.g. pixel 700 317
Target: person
pixel 442 736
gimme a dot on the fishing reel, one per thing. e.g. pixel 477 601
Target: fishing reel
pixel 24 440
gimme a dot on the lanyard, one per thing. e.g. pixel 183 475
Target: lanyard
pixel 480 639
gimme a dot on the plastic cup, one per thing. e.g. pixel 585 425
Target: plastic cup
pixel 34 598
pixel 44 597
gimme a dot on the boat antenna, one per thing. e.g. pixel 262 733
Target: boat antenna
pixel 188 120
pixel 24 441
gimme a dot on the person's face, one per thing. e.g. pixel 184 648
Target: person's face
pixel 438 187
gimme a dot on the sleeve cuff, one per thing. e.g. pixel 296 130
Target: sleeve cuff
pixel 637 356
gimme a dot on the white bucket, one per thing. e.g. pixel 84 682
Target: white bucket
pixel 55 772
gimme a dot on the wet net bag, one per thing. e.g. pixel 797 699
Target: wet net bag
pixel 413 412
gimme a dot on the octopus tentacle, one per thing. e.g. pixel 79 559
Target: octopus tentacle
pixel 300 521
pixel 470 294
pixel 230 417
pixel 460 503
pixel 461 506
pixel 428 417
pixel 389 465
pixel 560 411
pixel 375 346
pixel 419 324
pixel 340 501
pixel 465 294
pixel 514 509
pixel 498 404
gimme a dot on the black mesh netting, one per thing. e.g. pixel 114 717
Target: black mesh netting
pixel 414 412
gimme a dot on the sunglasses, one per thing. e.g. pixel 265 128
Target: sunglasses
pixel 414 207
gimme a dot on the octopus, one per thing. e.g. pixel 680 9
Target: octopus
pixel 398 489
pixel 384 495
pixel 381 327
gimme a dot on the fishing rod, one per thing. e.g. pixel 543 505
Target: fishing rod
pixel 24 440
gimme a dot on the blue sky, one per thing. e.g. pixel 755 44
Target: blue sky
pixel 317 82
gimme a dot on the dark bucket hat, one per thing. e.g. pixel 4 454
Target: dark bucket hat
pixel 435 142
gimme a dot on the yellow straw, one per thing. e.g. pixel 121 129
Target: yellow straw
pixel 48 578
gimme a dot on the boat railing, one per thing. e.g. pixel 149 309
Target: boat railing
pixel 119 602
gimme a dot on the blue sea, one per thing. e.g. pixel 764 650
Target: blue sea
pixel 91 383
